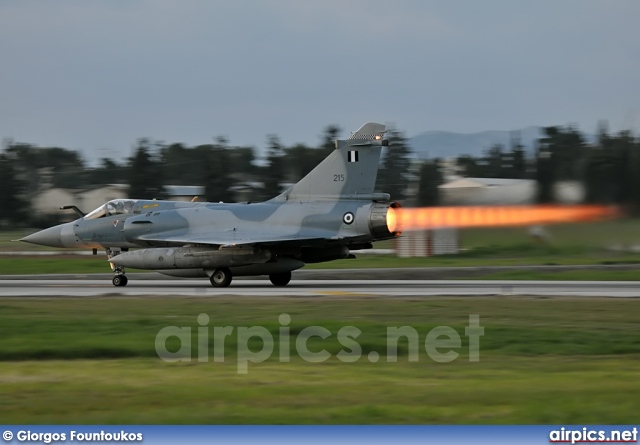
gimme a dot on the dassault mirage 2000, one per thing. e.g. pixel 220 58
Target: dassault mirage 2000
pixel 330 212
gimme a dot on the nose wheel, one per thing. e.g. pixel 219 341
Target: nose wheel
pixel 120 279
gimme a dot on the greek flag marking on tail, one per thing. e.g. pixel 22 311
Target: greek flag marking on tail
pixel 353 156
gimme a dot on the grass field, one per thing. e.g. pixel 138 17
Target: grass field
pixel 20 265
pixel 542 360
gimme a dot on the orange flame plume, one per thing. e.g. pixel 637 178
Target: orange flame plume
pixel 495 216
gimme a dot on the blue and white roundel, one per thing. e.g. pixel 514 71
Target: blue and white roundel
pixel 348 218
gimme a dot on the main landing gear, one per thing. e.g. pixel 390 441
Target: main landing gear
pixel 280 279
pixel 120 279
pixel 221 277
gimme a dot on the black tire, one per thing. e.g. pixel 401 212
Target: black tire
pixel 280 279
pixel 221 277
pixel 120 280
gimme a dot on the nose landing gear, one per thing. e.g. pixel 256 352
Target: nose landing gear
pixel 120 279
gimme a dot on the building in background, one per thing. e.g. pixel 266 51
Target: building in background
pixel 423 243
pixel 487 191
pixel 499 191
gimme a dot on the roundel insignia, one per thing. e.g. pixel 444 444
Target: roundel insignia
pixel 348 218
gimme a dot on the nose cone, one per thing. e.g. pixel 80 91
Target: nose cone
pixel 56 236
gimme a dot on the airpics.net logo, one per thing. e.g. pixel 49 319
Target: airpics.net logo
pixel 256 344
pixel 593 435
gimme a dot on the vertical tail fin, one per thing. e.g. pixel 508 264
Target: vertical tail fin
pixel 348 172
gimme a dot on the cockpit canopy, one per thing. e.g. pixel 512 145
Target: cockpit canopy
pixel 113 207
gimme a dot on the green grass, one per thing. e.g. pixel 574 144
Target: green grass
pixel 542 360
pixel 68 264
pixel 63 264
pixel 542 390
pixel 8 243
pixel 21 265
pixel 602 234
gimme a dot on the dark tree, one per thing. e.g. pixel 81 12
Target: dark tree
pixel 300 160
pixel 58 167
pixel 328 138
pixel 430 179
pixel 145 174
pixel 470 166
pixel 518 162
pixel 13 209
pixel 561 156
pixel 68 167
pixel 393 177
pixel 633 172
pixel 545 176
pixel 182 165
pixel 218 172
pixel 273 172
pixel 567 150
pixel 611 170
pixel 109 172
pixel 496 163
pixel 600 181
pixel 26 161
pixel 242 160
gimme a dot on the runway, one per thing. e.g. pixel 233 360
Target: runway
pixel 317 288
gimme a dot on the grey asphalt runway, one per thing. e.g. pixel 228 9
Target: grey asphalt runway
pixel 315 288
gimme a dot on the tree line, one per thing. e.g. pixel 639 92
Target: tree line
pixel 26 170
pixel 608 168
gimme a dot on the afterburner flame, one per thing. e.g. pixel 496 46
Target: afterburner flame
pixel 392 220
pixel 496 216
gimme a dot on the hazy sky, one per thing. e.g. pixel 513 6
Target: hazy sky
pixel 98 75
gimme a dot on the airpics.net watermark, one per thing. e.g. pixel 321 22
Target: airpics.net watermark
pixel 441 344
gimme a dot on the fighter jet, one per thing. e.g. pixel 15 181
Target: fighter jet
pixel 326 215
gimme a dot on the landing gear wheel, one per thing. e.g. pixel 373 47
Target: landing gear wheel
pixel 120 280
pixel 280 279
pixel 221 277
